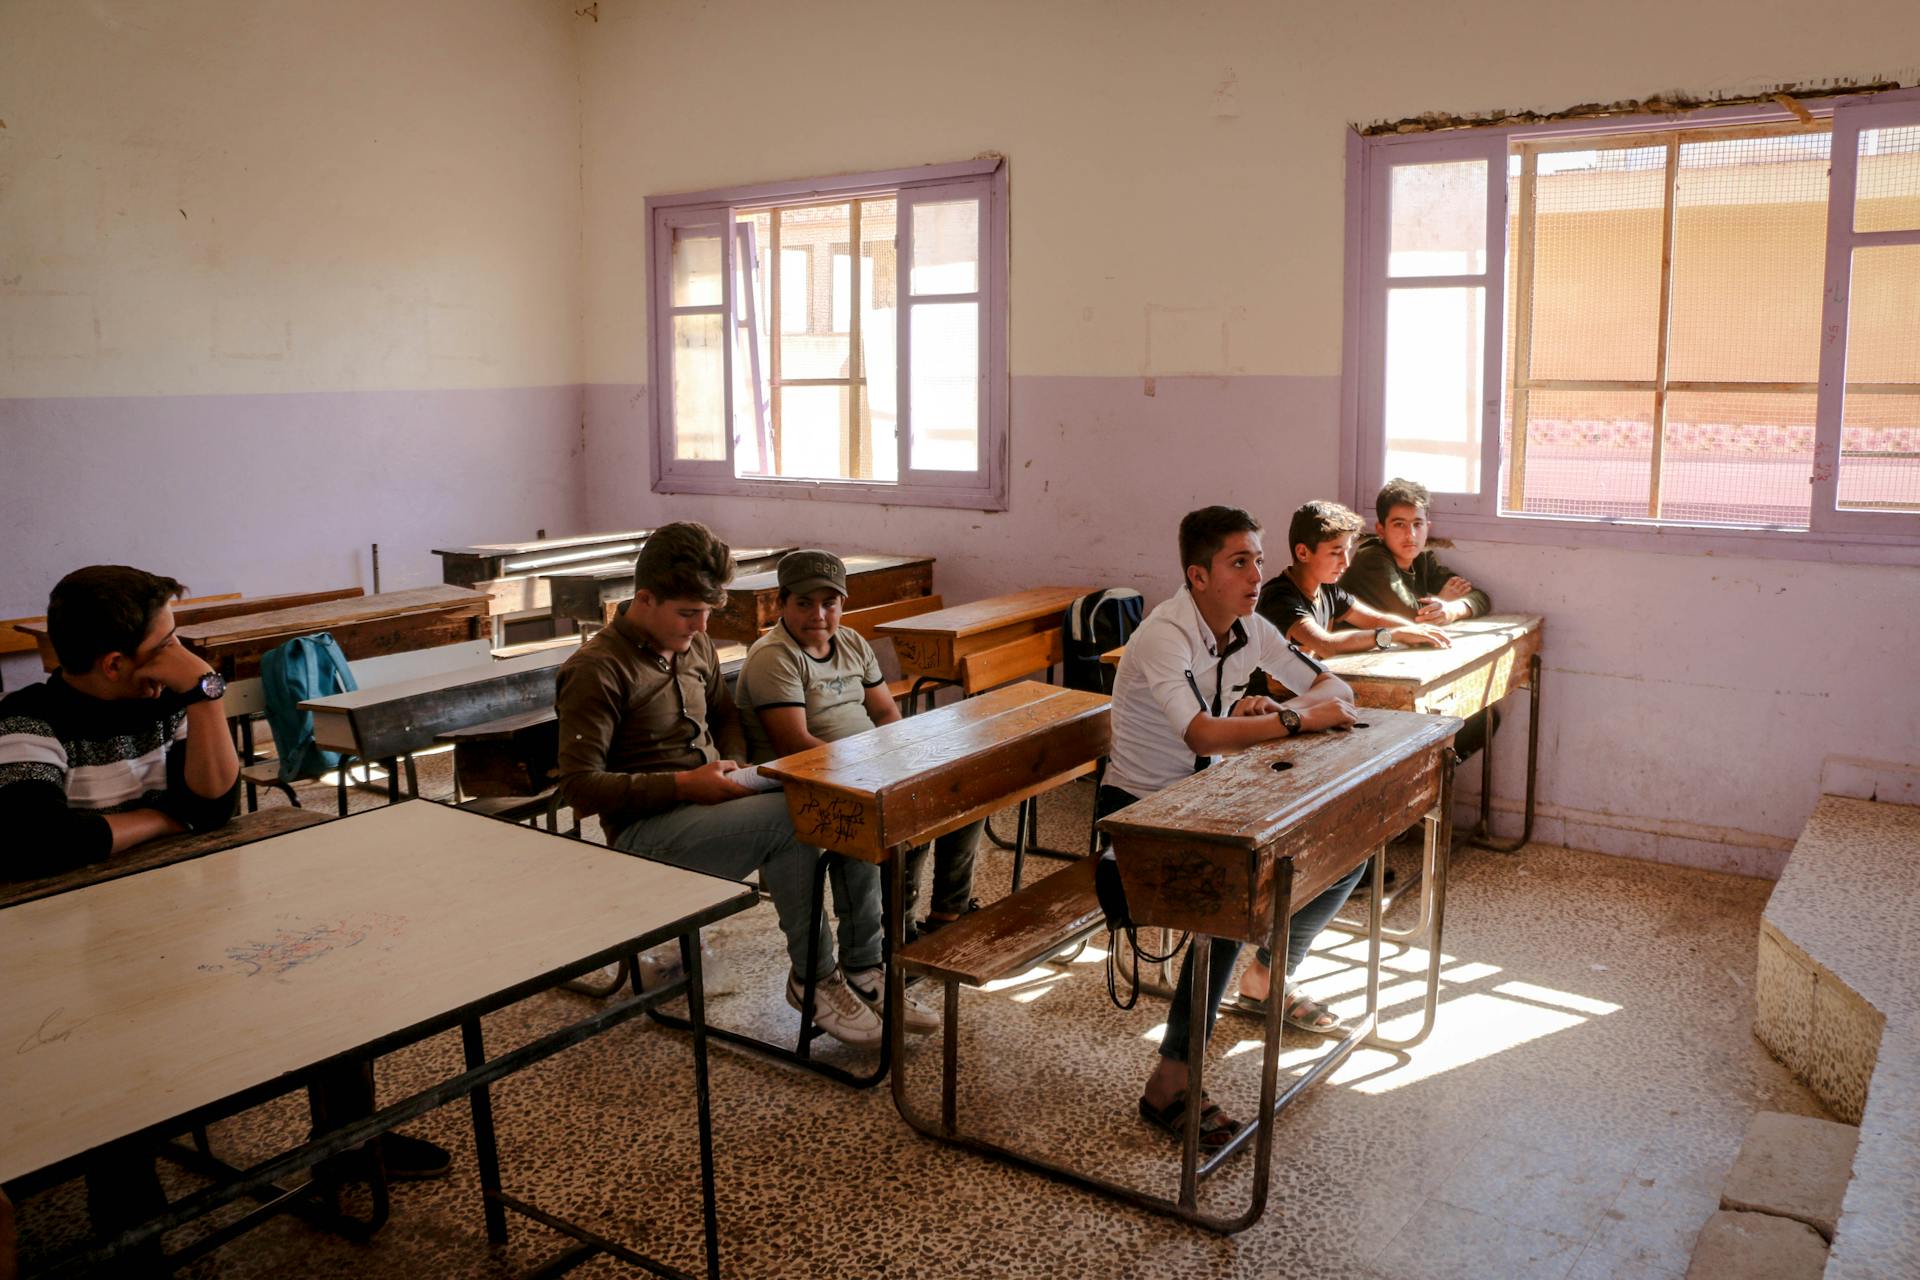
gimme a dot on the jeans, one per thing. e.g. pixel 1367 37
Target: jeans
pixel 953 857
pixel 1307 922
pixel 733 840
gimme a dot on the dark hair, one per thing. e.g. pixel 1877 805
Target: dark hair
pixel 1315 522
pixel 102 609
pixel 1204 532
pixel 1400 493
pixel 684 561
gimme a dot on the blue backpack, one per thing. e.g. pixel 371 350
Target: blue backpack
pixel 309 667
pixel 1095 623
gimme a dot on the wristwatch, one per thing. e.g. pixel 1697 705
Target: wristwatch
pixel 1383 638
pixel 212 685
pixel 1290 720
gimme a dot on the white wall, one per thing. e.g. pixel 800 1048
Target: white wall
pixel 279 281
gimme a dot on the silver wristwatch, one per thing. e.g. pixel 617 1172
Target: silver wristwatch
pixel 1383 637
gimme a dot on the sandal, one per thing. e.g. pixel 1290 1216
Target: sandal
pixel 1217 1128
pixel 1304 1013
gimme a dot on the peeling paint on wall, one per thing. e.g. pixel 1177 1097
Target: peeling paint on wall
pixel 1670 103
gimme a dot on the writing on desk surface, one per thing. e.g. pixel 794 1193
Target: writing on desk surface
pixel 53 1028
pixel 299 944
pixel 836 818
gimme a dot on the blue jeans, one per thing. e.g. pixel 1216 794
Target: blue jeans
pixel 953 858
pixel 1302 929
pixel 735 839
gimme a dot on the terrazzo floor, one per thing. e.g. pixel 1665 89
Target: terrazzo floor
pixel 1572 1116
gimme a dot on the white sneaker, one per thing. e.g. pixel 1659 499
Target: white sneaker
pixel 871 986
pixel 839 1012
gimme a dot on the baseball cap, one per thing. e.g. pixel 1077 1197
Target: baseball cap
pixel 809 570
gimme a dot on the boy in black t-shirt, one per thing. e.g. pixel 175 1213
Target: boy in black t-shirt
pixel 1304 602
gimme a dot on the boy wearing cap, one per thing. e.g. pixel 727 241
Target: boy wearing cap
pixel 809 681
pixel 648 735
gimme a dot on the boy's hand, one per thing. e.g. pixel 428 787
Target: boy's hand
pixel 1421 634
pixel 709 784
pixel 1334 713
pixel 1455 588
pixel 1438 611
pixel 1254 704
pixel 176 667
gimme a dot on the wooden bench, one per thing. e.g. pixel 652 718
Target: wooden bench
pixel 753 600
pixel 1011 935
pixel 867 623
pixel 591 594
pixel 17 635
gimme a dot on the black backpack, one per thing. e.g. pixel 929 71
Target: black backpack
pixel 1097 622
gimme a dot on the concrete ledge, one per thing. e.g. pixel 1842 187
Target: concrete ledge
pixel 1793 1167
pixel 1756 1246
pixel 1838 1001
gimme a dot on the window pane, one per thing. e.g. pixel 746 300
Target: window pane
pixel 1737 458
pixel 696 267
pixel 1437 219
pixel 1749 259
pixel 794 298
pixel 1887 195
pixel 842 291
pixel 1434 380
pixel 813 432
pixel 810 349
pixel 1596 263
pixel 1880 453
pixel 699 407
pixel 1880 430
pixel 1588 453
pixel 945 392
pixel 946 247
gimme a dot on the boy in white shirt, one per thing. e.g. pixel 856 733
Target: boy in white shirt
pixel 1179 700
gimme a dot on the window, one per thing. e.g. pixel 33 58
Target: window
pixel 884 378
pixel 1709 324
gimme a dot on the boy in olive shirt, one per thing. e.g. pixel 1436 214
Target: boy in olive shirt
pixel 810 681
pixel 1393 571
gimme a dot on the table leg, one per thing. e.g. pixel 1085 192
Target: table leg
pixel 1434 901
pixel 703 1099
pixel 1199 970
pixel 486 1150
pixel 1482 834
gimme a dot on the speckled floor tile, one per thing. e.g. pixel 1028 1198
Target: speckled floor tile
pixel 1595 1025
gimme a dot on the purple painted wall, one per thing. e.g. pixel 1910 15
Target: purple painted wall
pixel 266 493
pixel 1696 705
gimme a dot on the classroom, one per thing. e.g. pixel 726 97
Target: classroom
pixel 437 327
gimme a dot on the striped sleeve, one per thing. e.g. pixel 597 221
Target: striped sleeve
pixel 30 753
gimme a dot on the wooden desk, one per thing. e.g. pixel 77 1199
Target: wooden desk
pixel 753 600
pixel 512 572
pixel 877 793
pixel 245 828
pixel 931 645
pixel 203 609
pixel 144 1006
pixel 1231 851
pixel 1491 657
pixel 390 720
pixel 594 593
pixel 364 626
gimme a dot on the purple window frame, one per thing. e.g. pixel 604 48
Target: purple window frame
pixel 985 487
pixel 1840 535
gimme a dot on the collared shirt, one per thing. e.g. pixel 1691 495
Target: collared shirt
pixel 630 718
pixel 1171 672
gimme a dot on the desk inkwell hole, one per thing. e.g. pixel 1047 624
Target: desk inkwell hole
pixel 1359 724
pixel 1281 766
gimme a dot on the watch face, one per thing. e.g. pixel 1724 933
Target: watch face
pixel 213 685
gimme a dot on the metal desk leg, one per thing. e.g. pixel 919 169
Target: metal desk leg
pixel 486 1150
pixel 1433 897
pixel 703 1098
pixel 1482 834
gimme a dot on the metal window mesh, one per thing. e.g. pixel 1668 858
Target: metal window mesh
pixel 1887 194
pixel 1596 263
